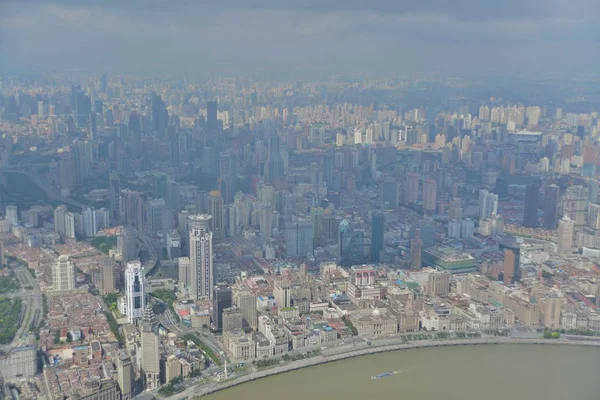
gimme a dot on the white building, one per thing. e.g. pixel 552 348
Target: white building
pixel 63 274
pixel 134 290
pixel 70 225
pixel 488 204
pixel 90 228
pixel 12 215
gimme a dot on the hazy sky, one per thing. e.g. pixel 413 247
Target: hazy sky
pixel 310 37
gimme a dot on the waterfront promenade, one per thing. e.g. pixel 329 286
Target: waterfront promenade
pixel 387 345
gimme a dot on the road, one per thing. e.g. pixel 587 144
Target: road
pixel 32 303
pixel 147 243
pixel 51 191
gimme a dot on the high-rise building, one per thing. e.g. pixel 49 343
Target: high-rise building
pixel 222 299
pixel 82 152
pixel 160 115
pixel 126 245
pixel 530 217
pixel 134 139
pixel 59 220
pixel 429 195
pixel 12 215
pixel 124 375
pixel 550 206
pixel 114 196
pixel 150 352
pixel 233 319
pixel 83 108
pixel 135 295
pixel 574 207
pixel 2 259
pixel 566 230
pixel 90 227
pixel 63 274
pixel 212 123
pixel 184 275
pixel 389 192
pixel 246 301
pixel 593 218
pixel 438 283
pixel 70 226
pixel 351 243
pixel 412 190
pixel 132 209
pixel 156 216
pixel 377 231
pixel 416 251
pixel 282 293
pixel 509 266
pixel 107 282
pixel 299 236
pixel 275 165
pixel 512 259
pixel 215 209
pixel 201 257
pixel 455 209
pixel 488 204
pixel 104 82
pixel 161 186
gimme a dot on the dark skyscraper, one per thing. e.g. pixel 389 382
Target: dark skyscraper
pixel 222 299
pixel 134 135
pixel 104 82
pixel 160 115
pixel 377 224
pixel 83 108
pixel 114 196
pixel 501 188
pixel 512 258
pixel 211 116
pixel 416 251
pixel 550 206
pixel 93 130
pixel 532 194
pixel 274 169
pixel 350 244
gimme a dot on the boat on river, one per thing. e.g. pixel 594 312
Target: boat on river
pixel 385 374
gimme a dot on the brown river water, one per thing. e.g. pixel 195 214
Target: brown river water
pixel 482 372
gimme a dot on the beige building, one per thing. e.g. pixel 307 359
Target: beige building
pixel 150 351
pixel 232 319
pixel 246 301
pixel 104 389
pixel 550 310
pixel 172 368
pixel 374 322
pixel 108 275
pixel 438 283
pixel 124 377
pixel 526 311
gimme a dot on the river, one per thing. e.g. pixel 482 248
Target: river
pixel 483 372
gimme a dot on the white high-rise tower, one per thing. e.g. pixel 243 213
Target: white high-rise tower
pixel 63 275
pixel 201 258
pixel 134 290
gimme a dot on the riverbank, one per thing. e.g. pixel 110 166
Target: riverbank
pixel 323 359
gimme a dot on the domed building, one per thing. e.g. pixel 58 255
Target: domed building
pixel 374 322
